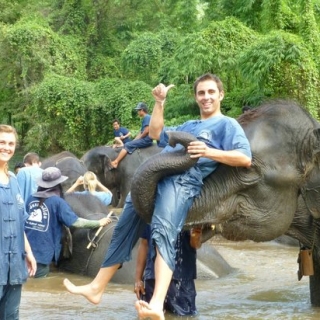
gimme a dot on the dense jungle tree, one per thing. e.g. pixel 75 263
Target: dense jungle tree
pixel 68 67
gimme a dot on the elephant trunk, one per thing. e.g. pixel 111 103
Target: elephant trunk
pixel 146 177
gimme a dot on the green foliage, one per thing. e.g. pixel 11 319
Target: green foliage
pixel 214 49
pixel 142 57
pixel 68 67
pixel 76 115
pixel 283 66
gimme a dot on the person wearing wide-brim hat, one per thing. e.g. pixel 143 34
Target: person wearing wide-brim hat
pixel 48 212
pixel 142 140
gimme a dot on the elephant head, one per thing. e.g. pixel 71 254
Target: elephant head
pixel 69 166
pixel 258 203
pixel 117 180
pixel 98 161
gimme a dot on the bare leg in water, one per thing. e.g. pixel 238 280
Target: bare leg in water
pixel 95 289
pixel 154 309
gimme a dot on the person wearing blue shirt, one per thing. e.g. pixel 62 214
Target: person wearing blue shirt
pixel 47 213
pixel 16 258
pixel 181 296
pixel 220 139
pixel 121 134
pixel 91 183
pixel 28 176
pixel 142 140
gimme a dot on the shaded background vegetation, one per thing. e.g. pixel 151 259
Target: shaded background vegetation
pixel 69 67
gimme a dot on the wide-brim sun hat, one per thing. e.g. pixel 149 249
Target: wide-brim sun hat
pixel 51 177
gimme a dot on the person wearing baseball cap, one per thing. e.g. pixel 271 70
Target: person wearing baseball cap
pixel 141 106
pixel 48 212
pixel 142 140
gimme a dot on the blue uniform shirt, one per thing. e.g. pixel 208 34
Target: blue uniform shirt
pixel 44 227
pixel 27 179
pixel 13 268
pixel 122 132
pixel 145 122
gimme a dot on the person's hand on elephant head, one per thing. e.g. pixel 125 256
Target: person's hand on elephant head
pixel 79 181
pixel 104 221
pixel 160 92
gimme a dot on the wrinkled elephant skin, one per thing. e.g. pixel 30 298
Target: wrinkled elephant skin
pixel 69 166
pixel 83 261
pixel 88 261
pixel 278 194
pixel 257 203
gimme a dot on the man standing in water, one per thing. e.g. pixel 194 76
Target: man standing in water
pixel 220 140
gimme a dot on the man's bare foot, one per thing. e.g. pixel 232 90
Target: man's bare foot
pixel 146 311
pixel 114 164
pixel 91 293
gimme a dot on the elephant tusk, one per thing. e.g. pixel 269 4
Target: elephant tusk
pixel 97 233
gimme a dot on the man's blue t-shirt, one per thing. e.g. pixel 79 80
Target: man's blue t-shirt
pixel 43 227
pixel 122 132
pixel 27 178
pixel 145 122
pixel 219 132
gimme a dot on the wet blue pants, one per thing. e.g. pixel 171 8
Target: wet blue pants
pixel 10 297
pixel 180 298
pixel 174 197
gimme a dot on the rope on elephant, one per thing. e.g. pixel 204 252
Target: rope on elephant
pixel 95 244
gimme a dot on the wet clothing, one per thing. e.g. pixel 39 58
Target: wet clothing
pixel 122 132
pixel 27 179
pixel 10 297
pixel 185 259
pixel 44 227
pixel 180 299
pixel 13 268
pixel 181 295
pixel 143 142
pixel 175 194
pixel 104 197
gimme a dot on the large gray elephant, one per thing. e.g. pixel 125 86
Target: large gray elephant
pixel 69 166
pixel 75 257
pixel 118 181
pixel 277 195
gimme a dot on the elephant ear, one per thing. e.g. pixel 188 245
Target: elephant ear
pixel 107 163
pixel 316 147
pixel 311 192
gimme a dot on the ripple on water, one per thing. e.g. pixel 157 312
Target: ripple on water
pixel 262 285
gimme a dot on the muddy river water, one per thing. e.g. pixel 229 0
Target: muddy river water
pixel 262 285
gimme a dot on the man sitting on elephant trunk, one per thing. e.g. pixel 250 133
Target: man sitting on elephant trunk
pixel 142 140
pixel 220 139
